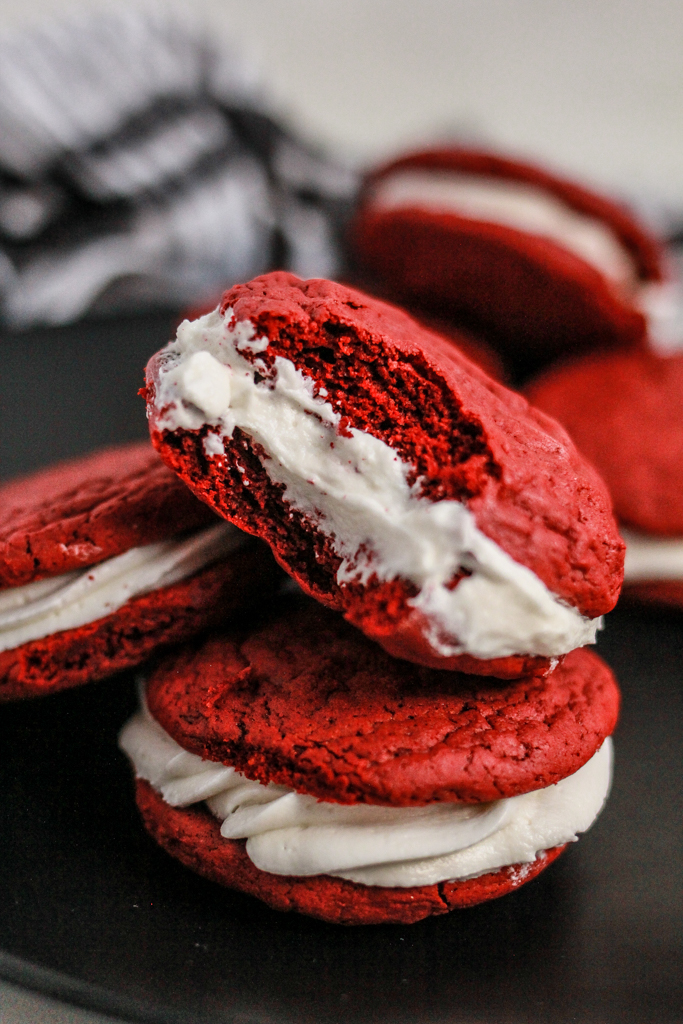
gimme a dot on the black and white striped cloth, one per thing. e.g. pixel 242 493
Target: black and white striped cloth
pixel 139 164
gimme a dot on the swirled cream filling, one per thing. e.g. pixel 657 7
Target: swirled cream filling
pixel 355 488
pixel 649 559
pixel 74 599
pixel 291 833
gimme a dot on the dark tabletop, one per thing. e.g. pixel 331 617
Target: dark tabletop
pixel 92 911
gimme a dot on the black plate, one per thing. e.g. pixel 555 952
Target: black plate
pixel 92 911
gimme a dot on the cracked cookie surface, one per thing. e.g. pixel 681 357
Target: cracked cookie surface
pixel 305 700
pixel 461 438
pixel 85 510
pixel 128 636
pixel 466 437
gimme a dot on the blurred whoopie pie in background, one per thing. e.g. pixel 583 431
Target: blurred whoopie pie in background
pixel 623 410
pixel 537 265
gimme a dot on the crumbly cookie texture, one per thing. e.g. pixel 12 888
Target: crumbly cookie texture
pixel 192 836
pixel 465 437
pixel 308 702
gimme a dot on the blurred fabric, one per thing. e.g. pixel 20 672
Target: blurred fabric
pixel 140 165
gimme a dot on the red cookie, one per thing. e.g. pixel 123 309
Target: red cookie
pixel 402 463
pixel 475 348
pixel 306 701
pixel 87 512
pixel 623 410
pixel 83 511
pixel 535 263
pixel 192 836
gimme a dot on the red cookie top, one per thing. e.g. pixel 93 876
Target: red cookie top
pixel 83 511
pixel 308 702
pixel 467 438
pixel 623 410
pixel 645 250
pixel 475 348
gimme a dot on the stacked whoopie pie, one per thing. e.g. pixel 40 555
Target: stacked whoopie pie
pixel 539 266
pixel 107 558
pixel 429 731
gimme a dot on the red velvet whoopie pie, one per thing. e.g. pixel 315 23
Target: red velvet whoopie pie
pixel 347 747
pixel 104 559
pixel 393 480
pixel 536 264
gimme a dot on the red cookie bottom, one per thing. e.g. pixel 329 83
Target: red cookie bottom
pixel 129 635
pixel 408 640
pixel 192 835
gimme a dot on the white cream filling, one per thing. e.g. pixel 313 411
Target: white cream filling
pixel 74 599
pixel 534 210
pixel 515 204
pixel 356 489
pixel 661 302
pixel 290 833
pixel 652 558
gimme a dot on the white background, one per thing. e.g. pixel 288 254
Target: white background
pixel 594 87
